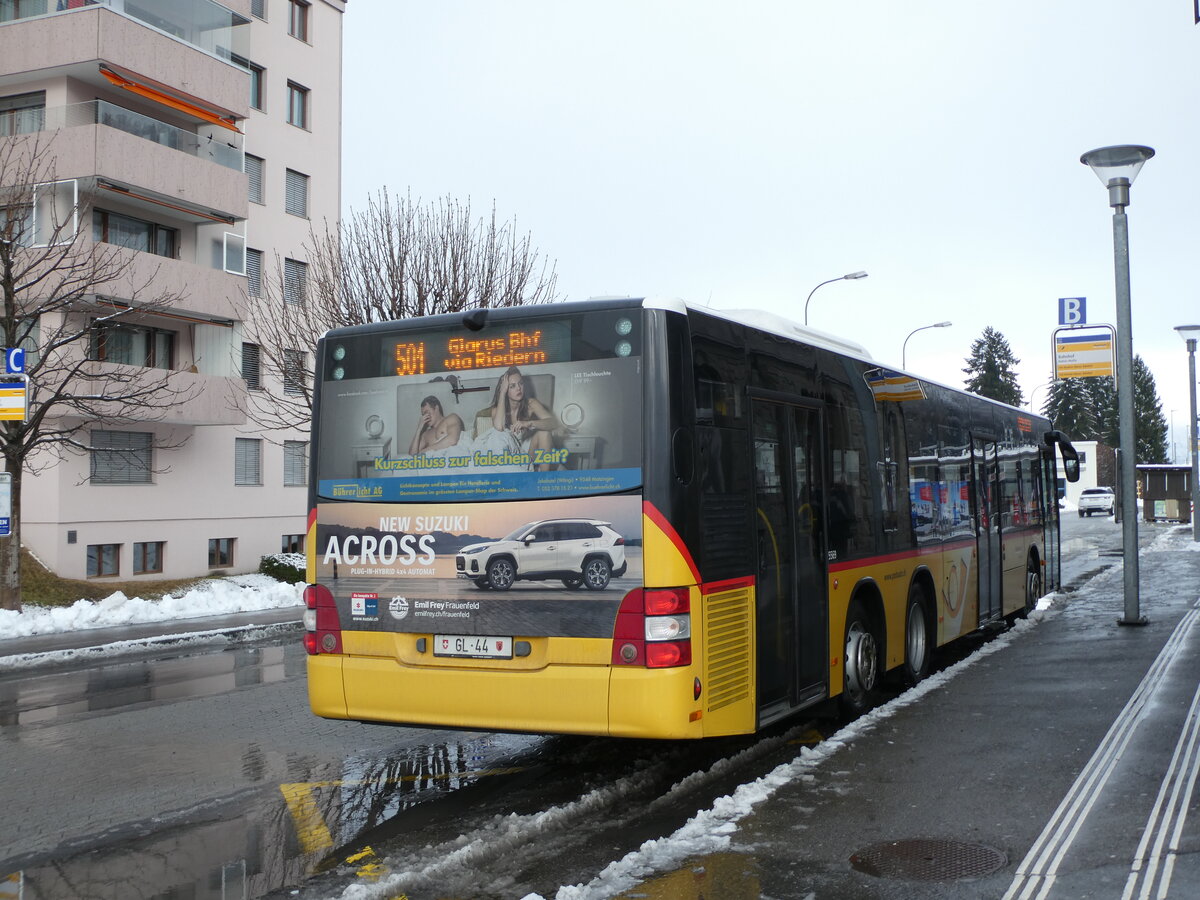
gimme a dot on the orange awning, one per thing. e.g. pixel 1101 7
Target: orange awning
pixel 170 100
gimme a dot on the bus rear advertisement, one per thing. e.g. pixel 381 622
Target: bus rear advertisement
pixel 645 519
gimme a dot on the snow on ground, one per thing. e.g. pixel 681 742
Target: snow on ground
pixel 213 597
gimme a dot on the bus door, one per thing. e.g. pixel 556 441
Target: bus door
pixel 790 521
pixel 1049 498
pixel 985 491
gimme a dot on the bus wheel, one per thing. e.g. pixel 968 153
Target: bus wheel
pixel 596 572
pixel 574 582
pixel 862 662
pixel 1033 588
pixel 501 573
pixel 918 648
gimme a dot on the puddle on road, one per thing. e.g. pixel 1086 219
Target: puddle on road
pixel 274 839
pixel 730 876
pixel 53 696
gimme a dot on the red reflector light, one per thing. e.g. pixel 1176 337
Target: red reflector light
pixel 327 634
pixel 666 602
pixel 666 654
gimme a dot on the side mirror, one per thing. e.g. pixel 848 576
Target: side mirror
pixel 1070 456
pixel 1071 468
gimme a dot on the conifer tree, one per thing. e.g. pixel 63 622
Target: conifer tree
pixel 991 368
pixel 1102 394
pixel 1150 425
pixel 1069 406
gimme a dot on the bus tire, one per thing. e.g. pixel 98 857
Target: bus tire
pixel 596 573
pixel 1033 587
pixel 501 573
pixel 861 670
pixel 918 648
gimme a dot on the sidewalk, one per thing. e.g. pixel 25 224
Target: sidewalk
pixel 150 633
pixel 1057 762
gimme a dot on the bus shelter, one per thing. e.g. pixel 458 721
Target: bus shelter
pixel 1166 492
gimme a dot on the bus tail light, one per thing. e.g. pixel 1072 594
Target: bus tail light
pixel 653 629
pixel 323 629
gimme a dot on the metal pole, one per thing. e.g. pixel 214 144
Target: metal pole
pixel 1193 442
pixel 1128 474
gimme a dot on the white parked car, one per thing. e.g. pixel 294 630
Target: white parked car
pixel 1097 500
pixel 579 552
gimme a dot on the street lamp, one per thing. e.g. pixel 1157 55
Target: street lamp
pixel 1117 167
pixel 853 276
pixel 904 348
pixel 1189 333
pixel 1033 394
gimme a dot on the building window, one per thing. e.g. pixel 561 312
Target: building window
pixel 258 85
pixel 220 552
pixel 251 354
pixel 297 113
pixel 103 560
pixel 293 372
pixel 247 461
pixel 258 9
pixel 253 272
pixel 121 457
pixel 297 193
pixel 133 345
pixel 22 113
pixel 135 234
pixel 295 462
pixel 292 543
pixel 298 19
pixel 147 557
pixel 295 281
pixel 254 173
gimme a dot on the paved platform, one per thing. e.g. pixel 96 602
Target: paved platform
pixel 1060 761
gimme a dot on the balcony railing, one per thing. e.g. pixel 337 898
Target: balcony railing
pixel 204 24
pixel 223 151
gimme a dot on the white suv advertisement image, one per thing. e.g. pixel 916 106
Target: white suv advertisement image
pixel 579 552
pixel 1097 500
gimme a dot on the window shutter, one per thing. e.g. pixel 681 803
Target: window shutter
pixel 121 457
pixel 295 278
pixel 250 366
pixel 247 461
pixel 295 456
pixel 253 273
pixel 297 193
pixel 254 171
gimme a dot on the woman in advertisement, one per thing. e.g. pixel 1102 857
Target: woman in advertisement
pixel 520 422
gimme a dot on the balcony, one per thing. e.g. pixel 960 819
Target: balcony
pixel 203 24
pixel 223 150
pixel 201 399
pixel 77 44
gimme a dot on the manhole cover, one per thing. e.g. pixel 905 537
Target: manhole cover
pixel 922 859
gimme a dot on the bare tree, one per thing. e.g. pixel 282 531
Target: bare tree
pixel 60 293
pixel 395 260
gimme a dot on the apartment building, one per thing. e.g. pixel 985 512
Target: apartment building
pixel 203 138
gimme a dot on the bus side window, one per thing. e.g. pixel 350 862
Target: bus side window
pixel 719 372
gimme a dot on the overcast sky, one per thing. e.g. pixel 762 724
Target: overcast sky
pixel 737 154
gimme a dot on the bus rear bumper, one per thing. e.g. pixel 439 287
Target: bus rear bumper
pixel 558 699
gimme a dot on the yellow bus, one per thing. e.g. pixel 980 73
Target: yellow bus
pixel 643 518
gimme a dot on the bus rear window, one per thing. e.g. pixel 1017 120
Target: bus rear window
pixel 536 407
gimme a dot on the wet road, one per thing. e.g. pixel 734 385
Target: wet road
pixel 201 773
